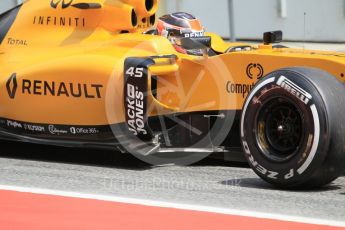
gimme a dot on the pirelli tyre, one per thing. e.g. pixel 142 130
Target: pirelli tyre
pixel 292 128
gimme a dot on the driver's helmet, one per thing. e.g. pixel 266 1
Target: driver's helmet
pixel 180 25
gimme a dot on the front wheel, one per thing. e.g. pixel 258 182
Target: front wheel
pixel 292 130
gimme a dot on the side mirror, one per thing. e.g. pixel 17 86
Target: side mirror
pixel 273 37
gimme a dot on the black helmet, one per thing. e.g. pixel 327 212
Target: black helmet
pixel 180 25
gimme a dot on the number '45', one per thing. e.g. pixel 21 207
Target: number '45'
pixel 135 72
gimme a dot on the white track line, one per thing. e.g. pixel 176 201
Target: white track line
pixel 162 204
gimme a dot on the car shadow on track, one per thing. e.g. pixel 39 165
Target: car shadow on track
pixel 92 157
pixel 88 156
pixel 210 161
pixel 258 183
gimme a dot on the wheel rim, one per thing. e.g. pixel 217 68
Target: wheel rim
pixel 279 131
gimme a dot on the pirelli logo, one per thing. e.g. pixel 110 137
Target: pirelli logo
pixel 294 89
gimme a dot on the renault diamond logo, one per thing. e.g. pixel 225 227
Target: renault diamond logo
pixel 12 86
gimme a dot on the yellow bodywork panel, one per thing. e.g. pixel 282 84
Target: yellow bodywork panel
pixel 64 64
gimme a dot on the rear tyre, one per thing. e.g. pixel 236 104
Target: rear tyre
pixel 292 128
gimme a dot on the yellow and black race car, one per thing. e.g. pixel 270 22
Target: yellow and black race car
pixel 89 73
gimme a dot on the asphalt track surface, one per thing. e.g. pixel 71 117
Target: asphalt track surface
pixel 208 183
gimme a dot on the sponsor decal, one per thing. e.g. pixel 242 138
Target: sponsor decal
pixel 80 130
pixel 34 128
pixel 69 3
pixel 12 86
pixel 47 20
pixel 65 130
pixel 13 124
pixel 64 4
pixel 55 131
pixel 135 103
pixel 52 88
pixel 16 42
pixel 135 110
pixel 255 71
pixel 238 88
pixel 59 21
pixel 294 89
pixel 194 34
pixel 25 126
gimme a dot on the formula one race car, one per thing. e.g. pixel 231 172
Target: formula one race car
pixel 91 74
